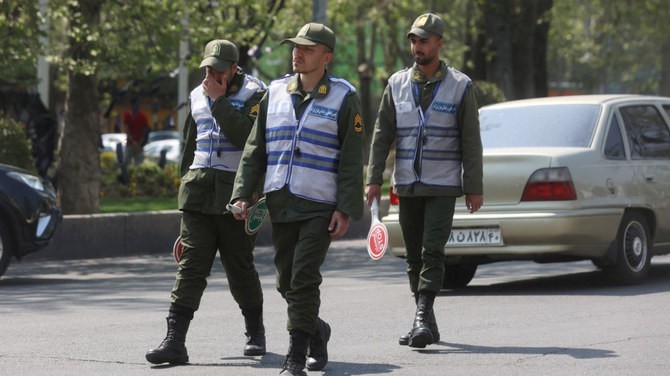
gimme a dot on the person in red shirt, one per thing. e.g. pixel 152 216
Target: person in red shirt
pixel 137 128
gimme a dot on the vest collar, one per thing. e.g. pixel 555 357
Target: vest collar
pixel 418 76
pixel 322 88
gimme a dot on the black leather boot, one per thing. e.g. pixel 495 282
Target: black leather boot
pixel 318 347
pixel 172 350
pixel 294 365
pixel 253 322
pixel 432 324
pixel 404 340
pixel 421 334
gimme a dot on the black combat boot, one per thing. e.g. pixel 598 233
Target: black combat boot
pixel 421 334
pixel 318 347
pixel 253 322
pixel 172 350
pixel 404 340
pixel 294 365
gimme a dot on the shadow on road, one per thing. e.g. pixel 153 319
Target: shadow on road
pixel 588 281
pixel 274 361
pixel 577 353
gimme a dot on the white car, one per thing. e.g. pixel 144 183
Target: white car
pixel 108 141
pixel 173 149
pixel 566 178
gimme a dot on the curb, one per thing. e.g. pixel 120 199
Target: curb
pixel 131 234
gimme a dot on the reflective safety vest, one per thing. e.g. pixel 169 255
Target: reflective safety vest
pixel 304 154
pixel 432 137
pixel 213 149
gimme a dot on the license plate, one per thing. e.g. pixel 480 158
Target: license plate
pixel 474 236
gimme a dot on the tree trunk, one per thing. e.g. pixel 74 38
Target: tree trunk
pixel 79 173
pixel 664 84
pixel 365 69
pixel 540 43
pixel 498 30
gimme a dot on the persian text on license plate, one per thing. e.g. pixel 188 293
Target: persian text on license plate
pixel 474 236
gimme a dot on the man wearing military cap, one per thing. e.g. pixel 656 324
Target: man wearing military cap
pixel 430 112
pixel 308 143
pixel 221 114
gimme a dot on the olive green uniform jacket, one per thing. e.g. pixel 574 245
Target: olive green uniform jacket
pixel 468 120
pixel 286 207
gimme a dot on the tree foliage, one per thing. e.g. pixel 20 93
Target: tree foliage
pixel 97 45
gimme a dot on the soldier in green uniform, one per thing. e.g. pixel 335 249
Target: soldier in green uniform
pixel 221 114
pixel 308 143
pixel 430 112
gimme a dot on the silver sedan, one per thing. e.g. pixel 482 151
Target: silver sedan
pixel 566 178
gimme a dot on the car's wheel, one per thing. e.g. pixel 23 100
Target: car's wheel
pixel 633 249
pixel 458 275
pixel 5 248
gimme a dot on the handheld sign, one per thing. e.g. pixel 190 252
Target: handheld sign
pixel 378 234
pixel 258 213
pixel 177 249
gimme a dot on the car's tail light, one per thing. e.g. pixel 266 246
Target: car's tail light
pixel 549 184
pixel 393 198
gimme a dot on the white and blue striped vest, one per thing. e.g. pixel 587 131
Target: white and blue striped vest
pixel 439 153
pixel 213 149
pixel 304 154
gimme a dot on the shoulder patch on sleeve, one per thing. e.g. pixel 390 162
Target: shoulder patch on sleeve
pixel 254 110
pixel 358 123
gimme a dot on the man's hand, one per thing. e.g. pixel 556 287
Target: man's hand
pixel 239 209
pixel 339 224
pixel 214 88
pixel 373 191
pixel 474 202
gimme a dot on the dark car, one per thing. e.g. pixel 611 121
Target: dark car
pixel 28 213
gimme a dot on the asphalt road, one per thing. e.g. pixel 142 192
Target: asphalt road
pixel 98 317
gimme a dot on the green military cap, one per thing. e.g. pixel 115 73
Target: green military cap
pixel 220 54
pixel 426 25
pixel 313 34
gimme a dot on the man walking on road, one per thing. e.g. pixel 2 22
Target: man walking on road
pixel 430 111
pixel 222 111
pixel 308 142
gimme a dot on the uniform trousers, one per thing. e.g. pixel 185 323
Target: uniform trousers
pixel 301 249
pixel 426 224
pixel 202 235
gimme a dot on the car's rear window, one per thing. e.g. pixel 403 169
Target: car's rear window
pixel 555 125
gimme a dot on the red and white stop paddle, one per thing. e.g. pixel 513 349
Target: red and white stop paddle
pixel 177 249
pixel 378 235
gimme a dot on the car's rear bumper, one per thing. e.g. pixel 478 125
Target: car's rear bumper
pixel 581 233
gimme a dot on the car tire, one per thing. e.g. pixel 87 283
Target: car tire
pixel 633 250
pixel 458 275
pixel 5 247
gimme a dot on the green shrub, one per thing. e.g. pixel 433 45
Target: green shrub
pixel 14 145
pixel 488 93
pixel 144 180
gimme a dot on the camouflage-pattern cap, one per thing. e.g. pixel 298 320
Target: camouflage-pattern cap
pixel 220 54
pixel 313 34
pixel 426 25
